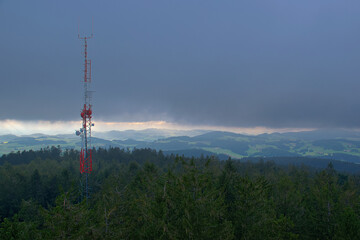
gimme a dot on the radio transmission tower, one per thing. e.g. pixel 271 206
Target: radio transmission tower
pixel 85 130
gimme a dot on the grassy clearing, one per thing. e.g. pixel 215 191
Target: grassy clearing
pixel 223 151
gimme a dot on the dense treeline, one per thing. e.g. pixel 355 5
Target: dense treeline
pixel 143 194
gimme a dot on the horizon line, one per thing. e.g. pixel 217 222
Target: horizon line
pixel 29 127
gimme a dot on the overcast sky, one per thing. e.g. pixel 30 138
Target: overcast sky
pixel 273 64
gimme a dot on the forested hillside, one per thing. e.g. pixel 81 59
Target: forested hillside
pixel 144 194
pixel 339 145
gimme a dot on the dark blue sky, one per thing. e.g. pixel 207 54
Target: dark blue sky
pixel 224 63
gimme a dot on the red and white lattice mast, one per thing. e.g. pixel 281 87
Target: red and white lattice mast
pixel 85 130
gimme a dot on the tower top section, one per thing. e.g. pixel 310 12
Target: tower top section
pixel 85 37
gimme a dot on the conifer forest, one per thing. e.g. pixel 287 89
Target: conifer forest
pixel 145 194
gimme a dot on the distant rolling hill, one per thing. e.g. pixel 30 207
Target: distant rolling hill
pixel 150 134
pixel 326 144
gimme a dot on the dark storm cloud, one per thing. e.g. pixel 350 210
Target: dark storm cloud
pixel 229 63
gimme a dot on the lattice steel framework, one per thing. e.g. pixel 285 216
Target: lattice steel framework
pixel 85 130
